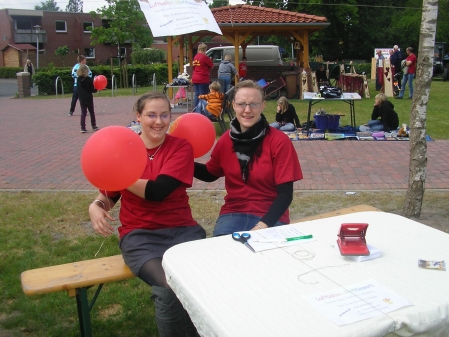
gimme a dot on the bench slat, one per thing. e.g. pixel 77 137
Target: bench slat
pixel 75 275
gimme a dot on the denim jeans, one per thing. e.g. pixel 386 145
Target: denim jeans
pixel 202 108
pixel 237 222
pixel 376 125
pixel 286 127
pixel 225 83
pixel 200 89
pixel 407 78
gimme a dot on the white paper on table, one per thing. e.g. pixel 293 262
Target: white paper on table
pixel 275 234
pixel 356 302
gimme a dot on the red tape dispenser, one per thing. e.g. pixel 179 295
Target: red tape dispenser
pixel 351 241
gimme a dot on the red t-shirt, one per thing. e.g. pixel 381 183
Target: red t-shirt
pixel 202 65
pixel 242 69
pixel 175 159
pixel 411 67
pixel 277 164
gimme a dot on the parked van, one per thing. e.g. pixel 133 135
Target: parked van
pixel 259 55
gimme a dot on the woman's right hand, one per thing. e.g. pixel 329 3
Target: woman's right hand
pixel 99 218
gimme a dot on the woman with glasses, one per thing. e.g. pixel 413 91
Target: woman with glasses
pixel 155 213
pixel 259 164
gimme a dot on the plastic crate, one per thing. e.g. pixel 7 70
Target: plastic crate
pixel 327 122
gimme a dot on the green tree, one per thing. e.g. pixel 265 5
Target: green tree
pixel 62 52
pixel 75 6
pixel 49 5
pixel 125 24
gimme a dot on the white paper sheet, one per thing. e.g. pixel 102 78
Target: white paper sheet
pixel 356 302
pixel 274 234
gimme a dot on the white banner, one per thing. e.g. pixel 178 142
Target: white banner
pixel 178 17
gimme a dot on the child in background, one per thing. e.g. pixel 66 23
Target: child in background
pixel 243 69
pixel 210 105
pixel 86 88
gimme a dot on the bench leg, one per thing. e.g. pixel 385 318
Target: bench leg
pixel 82 304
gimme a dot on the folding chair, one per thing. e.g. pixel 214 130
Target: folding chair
pixel 226 109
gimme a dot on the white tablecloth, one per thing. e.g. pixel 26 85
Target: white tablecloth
pixel 230 291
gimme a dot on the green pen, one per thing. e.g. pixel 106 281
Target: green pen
pixel 287 239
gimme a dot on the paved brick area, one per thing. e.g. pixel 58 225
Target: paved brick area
pixel 40 147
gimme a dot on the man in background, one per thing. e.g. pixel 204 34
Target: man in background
pixel 81 60
pixel 395 60
pixel 379 64
pixel 409 75
pixel 242 69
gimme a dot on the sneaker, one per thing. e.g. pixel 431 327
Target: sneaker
pixel 213 119
pixel 95 128
pixel 70 113
pixel 83 130
pixel 409 98
pixel 398 97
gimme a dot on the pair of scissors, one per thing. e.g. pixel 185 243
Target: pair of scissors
pixel 243 238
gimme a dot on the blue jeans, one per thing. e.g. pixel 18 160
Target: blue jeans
pixel 407 78
pixel 200 89
pixel 237 222
pixel 225 83
pixel 202 108
pixel 376 125
pixel 286 127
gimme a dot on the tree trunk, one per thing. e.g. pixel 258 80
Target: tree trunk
pixel 418 144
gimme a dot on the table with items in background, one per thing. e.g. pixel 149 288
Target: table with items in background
pixel 347 97
pixel 352 83
pixel 228 290
pixel 186 106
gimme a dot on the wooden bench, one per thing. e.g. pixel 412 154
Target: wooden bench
pixel 77 277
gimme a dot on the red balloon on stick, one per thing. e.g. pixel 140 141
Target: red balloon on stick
pixel 113 158
pixel 100 82
pixel 197 129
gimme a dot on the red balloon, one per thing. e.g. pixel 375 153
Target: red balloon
pixel 100 82
pixel 197 129
pixel 113 158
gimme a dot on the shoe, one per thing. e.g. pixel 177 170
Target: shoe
pixel 409 98
pixel 70 113
pixel 213 119
pixel 397 97
pixel 95 128
pixel 83 130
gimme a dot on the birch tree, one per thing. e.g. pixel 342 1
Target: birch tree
pixel 418 143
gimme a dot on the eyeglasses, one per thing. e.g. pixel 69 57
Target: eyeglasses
pixel 153 117
pixel 243 106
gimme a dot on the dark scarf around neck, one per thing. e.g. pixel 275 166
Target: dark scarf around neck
pixel 247 144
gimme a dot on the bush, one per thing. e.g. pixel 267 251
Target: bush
pixel 9 72
pixel 147 56
pixel 46 77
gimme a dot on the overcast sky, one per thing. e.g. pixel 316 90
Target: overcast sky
pixel 88 5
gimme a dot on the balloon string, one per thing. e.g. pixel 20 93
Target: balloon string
pixel 110 208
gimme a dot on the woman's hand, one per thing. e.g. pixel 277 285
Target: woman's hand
pixel 259 225
pixel 98 217
pixel 278 109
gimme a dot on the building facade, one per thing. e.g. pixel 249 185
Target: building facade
pixel 22 32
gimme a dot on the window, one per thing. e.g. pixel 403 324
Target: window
pixel 89 53
pixel 61 26
pixel 122 51
pixel 88 26
pixel 23 24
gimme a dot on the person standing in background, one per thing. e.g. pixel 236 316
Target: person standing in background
pixel 379 64
pixel 409 75
pixel 81 60
pixel 85 85
pixel 202 65
pixel 29 68
pixel 243 69
pixel 225 72
pixel 395 60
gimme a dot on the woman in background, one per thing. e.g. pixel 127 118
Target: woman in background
pixel 202 65
pixel 286 117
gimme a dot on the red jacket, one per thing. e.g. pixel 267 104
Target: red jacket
pixel 202 65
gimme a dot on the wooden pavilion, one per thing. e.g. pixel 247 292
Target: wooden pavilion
pixel 241 24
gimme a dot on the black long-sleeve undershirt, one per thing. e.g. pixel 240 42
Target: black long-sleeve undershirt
pixel 159 189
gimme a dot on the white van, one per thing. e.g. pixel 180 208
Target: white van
pixel 259 55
